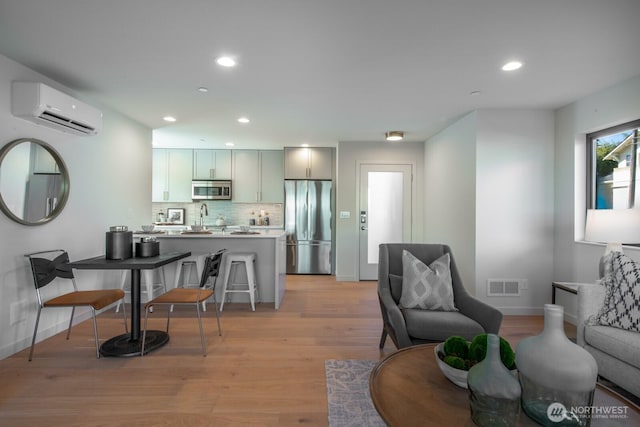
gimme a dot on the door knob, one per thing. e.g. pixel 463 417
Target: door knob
pixel 363 228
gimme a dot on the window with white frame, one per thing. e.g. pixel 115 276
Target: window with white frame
pixel 612 156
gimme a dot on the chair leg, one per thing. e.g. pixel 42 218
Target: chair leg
pixel 35 331
pixel 169 318
pixel 124 316
pixel 95 332
pixel 73 310
pixel 215 305
pixel 123 281
pixel 383 338
pixel 204 345
pixel 144 331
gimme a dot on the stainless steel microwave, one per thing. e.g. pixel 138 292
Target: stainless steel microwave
pixel 210 190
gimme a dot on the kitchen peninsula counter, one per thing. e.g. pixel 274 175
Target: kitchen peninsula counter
pixel 269 246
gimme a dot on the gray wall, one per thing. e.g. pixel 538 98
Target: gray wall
pixel 349 155
pixel 576 260
pixel 110 184
pixel 450 193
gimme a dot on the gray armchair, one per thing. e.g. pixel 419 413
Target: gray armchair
pixel 408 327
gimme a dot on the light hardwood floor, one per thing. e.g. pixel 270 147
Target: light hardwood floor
pixel 267 369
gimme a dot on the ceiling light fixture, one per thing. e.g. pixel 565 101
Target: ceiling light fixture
pixel 512 66
pixel 169 119
pixel 203 89
pixel 229 144
pixel 394 135
pixel 304 145
pixel 226 61
pixel 243 120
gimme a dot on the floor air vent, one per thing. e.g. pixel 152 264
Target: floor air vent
pixel 504 287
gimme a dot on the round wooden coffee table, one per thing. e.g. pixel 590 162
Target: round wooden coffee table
pixel 408 389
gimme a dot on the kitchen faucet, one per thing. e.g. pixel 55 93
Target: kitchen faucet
pixel 203 208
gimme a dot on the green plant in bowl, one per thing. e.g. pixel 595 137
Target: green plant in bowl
pixel 456 356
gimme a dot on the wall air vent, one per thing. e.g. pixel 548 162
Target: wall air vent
pixel 505 287
pixel 47 106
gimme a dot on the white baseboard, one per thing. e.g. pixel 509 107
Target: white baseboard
pixel 534 311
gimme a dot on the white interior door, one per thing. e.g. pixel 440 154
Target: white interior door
pixel 384 213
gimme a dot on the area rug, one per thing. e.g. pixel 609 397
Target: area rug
pixel 348 395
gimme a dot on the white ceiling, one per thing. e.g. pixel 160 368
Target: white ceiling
pixel 321 71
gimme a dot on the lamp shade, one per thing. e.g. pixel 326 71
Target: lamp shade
pixel 613 226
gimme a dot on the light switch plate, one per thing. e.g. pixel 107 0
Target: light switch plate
pixel 345 214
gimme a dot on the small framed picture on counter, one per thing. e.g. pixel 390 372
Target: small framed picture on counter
pixel 175 216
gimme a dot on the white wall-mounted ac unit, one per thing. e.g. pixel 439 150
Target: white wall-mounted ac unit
pixel 47 106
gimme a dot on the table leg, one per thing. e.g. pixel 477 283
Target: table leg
pixel 135 305
pixel 130 344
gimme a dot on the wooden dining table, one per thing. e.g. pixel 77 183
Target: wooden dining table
pixel 129 344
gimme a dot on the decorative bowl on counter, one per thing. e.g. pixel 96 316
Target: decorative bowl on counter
pixel 148 228
pixel 197 228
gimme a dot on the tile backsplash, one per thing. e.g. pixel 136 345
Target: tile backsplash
pixel 233 213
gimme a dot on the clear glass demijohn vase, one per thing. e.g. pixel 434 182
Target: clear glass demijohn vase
pixel 494 392
pixel 558 377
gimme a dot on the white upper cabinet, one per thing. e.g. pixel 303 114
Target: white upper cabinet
pixel 308 163
pixel 258 176
pixel 211 164
pixel 172 170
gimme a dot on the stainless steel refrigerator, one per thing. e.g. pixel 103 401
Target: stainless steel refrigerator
pixel 308 226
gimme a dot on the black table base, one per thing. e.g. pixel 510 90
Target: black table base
pixel 124 346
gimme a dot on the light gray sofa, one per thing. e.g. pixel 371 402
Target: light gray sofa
pixel 616 351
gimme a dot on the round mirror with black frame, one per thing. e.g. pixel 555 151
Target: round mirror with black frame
pixel 34 181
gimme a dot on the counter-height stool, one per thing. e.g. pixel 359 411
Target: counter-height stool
pixel 231 261
pixel 148 279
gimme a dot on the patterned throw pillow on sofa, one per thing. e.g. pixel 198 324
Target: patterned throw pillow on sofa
pixel 426 287
pixel 621 308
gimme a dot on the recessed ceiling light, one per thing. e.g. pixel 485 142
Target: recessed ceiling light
pixel 226 61
pixel 511 66
pixel 229 144
pixel 243 120
pixel 394 135
pixel 169 119
pixel 203 89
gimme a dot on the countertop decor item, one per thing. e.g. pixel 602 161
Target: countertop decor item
pixel 494 393
pixel 175 216
pixel 558 377
pixel 456 356
pixel 119 242
pixel 147 247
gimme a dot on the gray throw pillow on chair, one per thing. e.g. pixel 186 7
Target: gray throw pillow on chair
pixel 426 287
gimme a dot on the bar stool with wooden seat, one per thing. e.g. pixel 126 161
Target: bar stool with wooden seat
pixel 231 261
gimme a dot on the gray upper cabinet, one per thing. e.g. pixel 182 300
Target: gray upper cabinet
pixel 258 176
pixel 211 164
pixel 172 170
pixel 308 163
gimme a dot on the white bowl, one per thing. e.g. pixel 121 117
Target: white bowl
pixel 148 228
pixel 456 376
pixel 197 228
